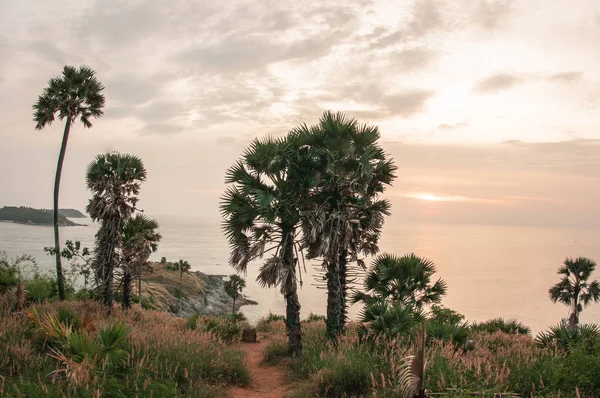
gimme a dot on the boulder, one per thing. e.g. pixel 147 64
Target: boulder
pixel 249 335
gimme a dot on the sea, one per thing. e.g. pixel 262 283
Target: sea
pixel 491 270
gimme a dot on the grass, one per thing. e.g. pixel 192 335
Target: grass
pixel 143 353
pixel 497 362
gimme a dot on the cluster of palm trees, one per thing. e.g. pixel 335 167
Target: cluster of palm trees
pixel 317 191
pixel 125 238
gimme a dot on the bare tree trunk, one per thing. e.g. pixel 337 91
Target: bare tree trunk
pixel 180 285
pixel 60 279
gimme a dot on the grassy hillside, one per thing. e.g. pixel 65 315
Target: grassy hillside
pixel 71 213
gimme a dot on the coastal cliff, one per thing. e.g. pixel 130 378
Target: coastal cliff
pixel 201 293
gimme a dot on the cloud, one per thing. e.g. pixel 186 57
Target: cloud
pixel 567 77
pixel 496 83
pixel 445 126
pixel 490 14
pixel 406 103
pixel 412 58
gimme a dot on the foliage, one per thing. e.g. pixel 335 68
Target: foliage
pixel 441 314
pixel 405 280
pixel 383 319
pixel 233 287
pixel 316 318
pixel 164 360
pixel 511 326
pixel 457 334
pixel 267 324
pixel 568 339
pixel 80 258
pixel 573 289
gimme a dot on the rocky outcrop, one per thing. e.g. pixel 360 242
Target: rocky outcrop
pixel 201 293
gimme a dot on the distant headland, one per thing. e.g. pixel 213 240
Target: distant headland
pixel 31 216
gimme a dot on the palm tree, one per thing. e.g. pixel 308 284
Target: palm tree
pixel 234 287
pixel 405 280
pixel 140 239
pixel 261 212
pixel 573 289
pixel 345 214
pixel 182 266
pixel 77 94
pixel 114 180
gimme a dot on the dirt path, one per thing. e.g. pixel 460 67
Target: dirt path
pixel 267 381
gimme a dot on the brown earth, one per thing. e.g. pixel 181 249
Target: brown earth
pixel 267 381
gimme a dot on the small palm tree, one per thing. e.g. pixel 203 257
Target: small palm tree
pixel 140 239
pixel 405 279
pixel 573 289
pixel 77 94
pixel 114 180
pixel 234 287
pixel 182 266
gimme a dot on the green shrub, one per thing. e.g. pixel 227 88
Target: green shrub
pixel 40 288
pixel 191 322
pixel 264 324
pixel 274 351
pixel 441 314
pixel 511 326
pixel 457 334
pixel 579 370
pixel 69 317
pixel 315 318
pixel 584 338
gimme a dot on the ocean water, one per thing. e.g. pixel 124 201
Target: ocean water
pixel 491 271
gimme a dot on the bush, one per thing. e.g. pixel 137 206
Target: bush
pixel 581 371
pixel 40 288
pixel 270 323
pixel 441 314
pixel 315 318
pixel 511 326
pixel 584 338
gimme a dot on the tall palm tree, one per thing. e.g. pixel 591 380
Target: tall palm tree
pixel 234 287
pixel 114 180
pixel 77 94
pixel 182 266
pixel 573 289
pixel 261 212
pixel 345 213
pixel 405 280
pixel 139 240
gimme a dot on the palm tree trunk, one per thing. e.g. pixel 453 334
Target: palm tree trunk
pixel 292 304
pixel 60 279
pixel 233 310
pixel 180 284
pixel 127 278
pixel 333 300
pixel 140 283
pixel 294 329
pixel 343 291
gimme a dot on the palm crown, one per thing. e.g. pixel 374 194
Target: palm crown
pixel 115 181
pixel 405 279
pixel 573 289
pixel 77 93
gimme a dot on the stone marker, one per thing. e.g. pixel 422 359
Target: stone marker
pixel 249 335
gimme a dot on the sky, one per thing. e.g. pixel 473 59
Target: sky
pixel 490 108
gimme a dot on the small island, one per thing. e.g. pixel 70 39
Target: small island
pixel 31 216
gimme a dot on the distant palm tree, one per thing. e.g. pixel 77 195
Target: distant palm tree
pixel 140 239
pixel 76 94
pixel 573 289
pixel 262 214
pixel 114 180
pixel 234 287
pixel 345 214
pixel 182 266
pixel 405 280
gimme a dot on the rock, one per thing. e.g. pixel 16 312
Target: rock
pixel 249 335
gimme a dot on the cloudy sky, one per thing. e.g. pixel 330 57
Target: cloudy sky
pixel 489 107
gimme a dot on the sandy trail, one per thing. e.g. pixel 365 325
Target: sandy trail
pixel 267 381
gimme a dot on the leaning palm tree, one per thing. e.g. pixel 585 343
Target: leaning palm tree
pixel 405 280
pixel 114 180
pixel 77 94
pixel 139 240
pixel 261 212
pixel 345 213
pixel 573 289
